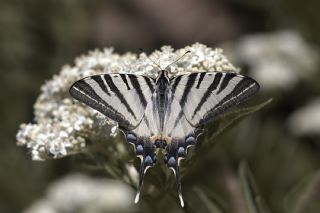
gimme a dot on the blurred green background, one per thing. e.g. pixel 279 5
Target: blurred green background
pixel 38 37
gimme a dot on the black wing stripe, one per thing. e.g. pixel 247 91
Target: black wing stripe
pixel 115 89
pixel 124 79
pixel 149 83
pixel 101 83
pixel 206 95
pixel 189 85
pixel 83 92
pixel 136 85
pixel 177 121
pixel 200 79
pixel 147 124
pixel 173 90
pixel 227 78
pixel 175 84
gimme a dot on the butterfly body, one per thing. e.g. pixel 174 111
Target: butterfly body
pixel 166 113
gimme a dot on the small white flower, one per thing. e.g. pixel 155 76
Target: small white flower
pixel 57 147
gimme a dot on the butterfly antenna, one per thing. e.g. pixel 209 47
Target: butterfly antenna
pixel 175 61
pixel 141 50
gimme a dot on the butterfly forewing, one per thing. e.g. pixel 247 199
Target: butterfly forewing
pixel 204 96
pixel 121 97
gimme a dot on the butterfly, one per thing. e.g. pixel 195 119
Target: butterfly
pixel 163 112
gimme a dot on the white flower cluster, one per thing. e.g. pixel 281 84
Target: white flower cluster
pixel 73 193
pixel 62 125
pixel 284 54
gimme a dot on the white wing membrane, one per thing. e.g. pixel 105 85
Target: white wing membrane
pixel 176 124
pixel 121 97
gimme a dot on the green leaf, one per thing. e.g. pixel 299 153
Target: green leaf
pixel 252 196
pixel 203 200
pixel 304 197
pixel 217 127
pixel 230 118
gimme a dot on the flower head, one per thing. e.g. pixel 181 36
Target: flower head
pixel 284 54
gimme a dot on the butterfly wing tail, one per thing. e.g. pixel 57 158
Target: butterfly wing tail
pixel 178 181
pixel 143 170
pixel 146 152
pixel 175 152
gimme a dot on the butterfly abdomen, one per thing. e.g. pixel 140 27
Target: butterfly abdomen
pixel 161 96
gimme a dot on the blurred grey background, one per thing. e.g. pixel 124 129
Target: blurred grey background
pixel 280 143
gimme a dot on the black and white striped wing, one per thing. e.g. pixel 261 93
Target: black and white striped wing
pixel 204 96
pixel 121 97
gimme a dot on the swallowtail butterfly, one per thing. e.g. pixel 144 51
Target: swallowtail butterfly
pixel 166 113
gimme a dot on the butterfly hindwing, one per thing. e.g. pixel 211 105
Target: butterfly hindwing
pixel 121 97
pixel 144 149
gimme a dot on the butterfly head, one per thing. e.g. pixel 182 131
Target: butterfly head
pixel 163 75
